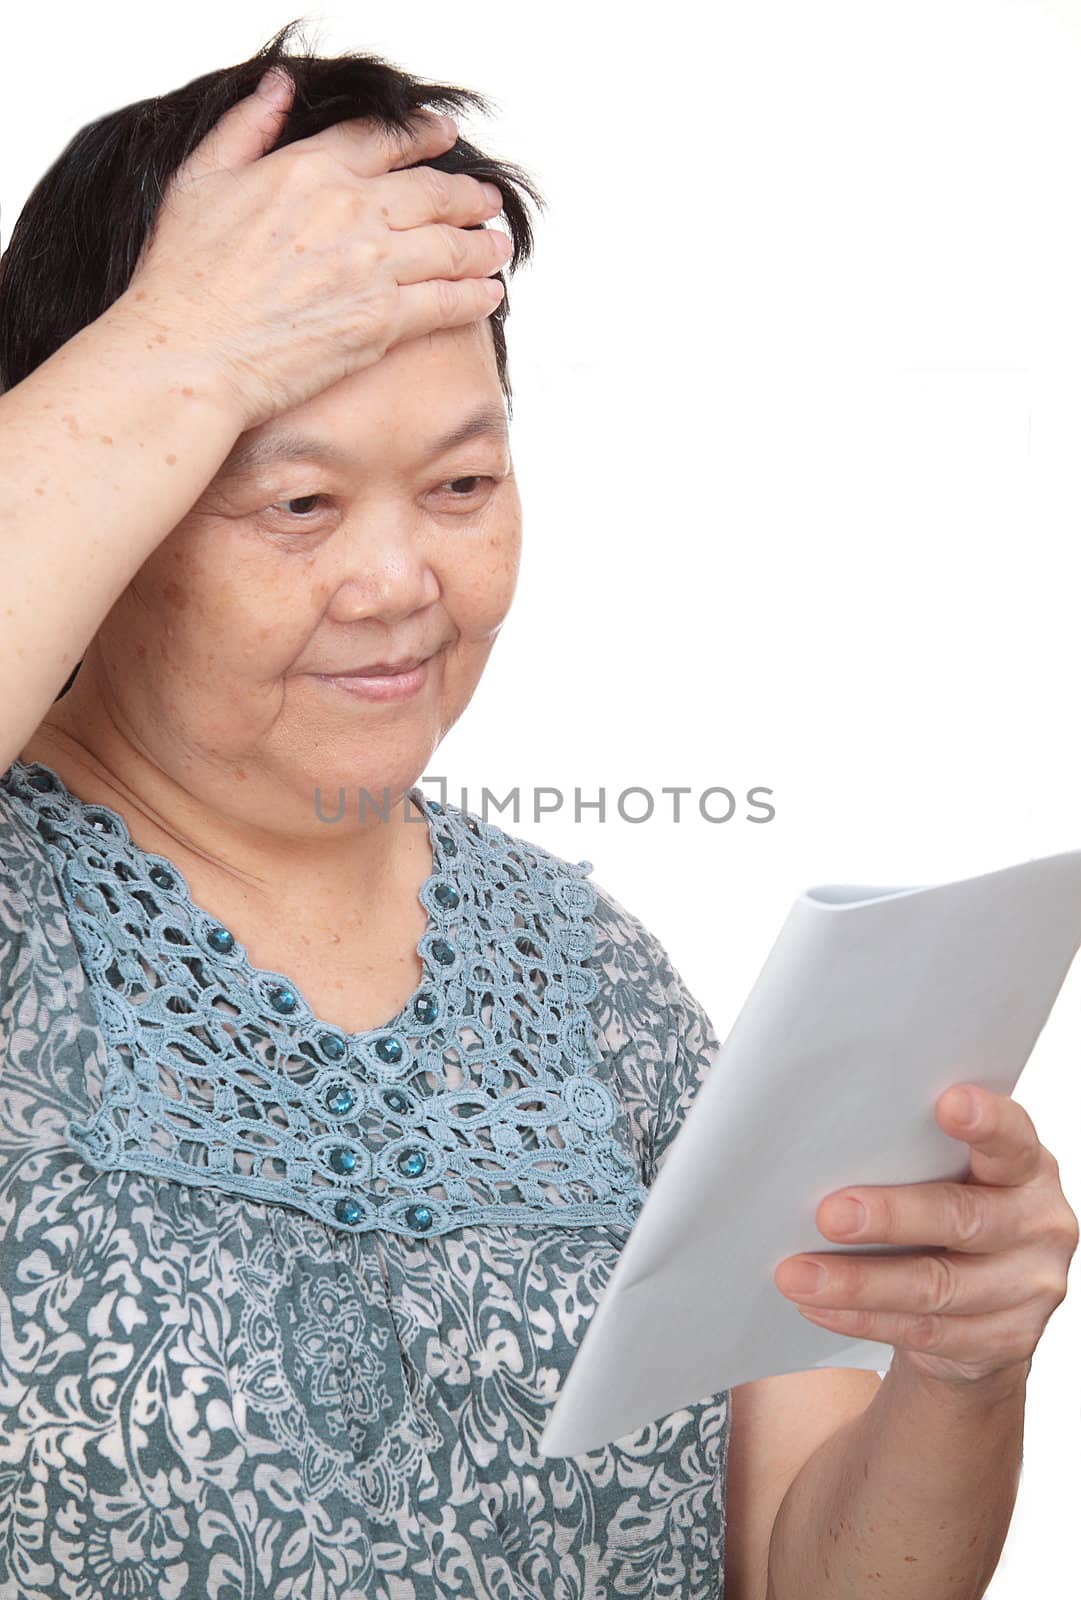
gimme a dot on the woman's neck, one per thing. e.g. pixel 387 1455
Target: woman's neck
pixel 241 851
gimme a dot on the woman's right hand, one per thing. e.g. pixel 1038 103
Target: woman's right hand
pixel 290 271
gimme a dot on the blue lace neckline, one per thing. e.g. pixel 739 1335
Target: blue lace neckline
pixel 91 813
pixel 480 1102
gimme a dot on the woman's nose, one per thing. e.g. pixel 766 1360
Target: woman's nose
pixel 385 582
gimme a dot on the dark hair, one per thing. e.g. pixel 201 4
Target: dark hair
pixel 75 244
pixel 74 247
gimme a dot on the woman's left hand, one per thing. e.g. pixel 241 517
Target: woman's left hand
pixel 993 1252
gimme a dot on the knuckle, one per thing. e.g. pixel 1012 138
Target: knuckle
pixel 924 1333
pixel 1052 1289
pixel 968 1217
pixel 347 200
pixel 1050 1161
pixel 456 248
pixel 439 188
pixel 446 297
pixel 881 1216
pixel 938 1288
pixel 368 255
pixel 1054 1222
pixel 301 163
pixel 847 1281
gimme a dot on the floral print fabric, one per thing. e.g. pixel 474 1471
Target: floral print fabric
pixel 208 1394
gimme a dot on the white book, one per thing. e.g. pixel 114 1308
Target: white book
pixel 871 1003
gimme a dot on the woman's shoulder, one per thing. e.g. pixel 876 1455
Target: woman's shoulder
pixel 25 871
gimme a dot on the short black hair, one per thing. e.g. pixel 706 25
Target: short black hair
pixel 75 244
pixel 74 247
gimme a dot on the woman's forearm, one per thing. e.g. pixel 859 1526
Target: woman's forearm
pixel 911 1500
pixel 104 448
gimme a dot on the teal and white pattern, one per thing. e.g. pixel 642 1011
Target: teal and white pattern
pixel 208 1388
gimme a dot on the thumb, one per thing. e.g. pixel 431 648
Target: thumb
pixel 247 130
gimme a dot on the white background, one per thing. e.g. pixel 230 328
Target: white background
pixel 797 409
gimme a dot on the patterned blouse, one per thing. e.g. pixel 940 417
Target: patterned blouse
pixel 283 1309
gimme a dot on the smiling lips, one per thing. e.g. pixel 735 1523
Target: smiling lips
pixel 382 681
pixel 380 669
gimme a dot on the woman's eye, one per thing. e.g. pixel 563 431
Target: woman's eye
pixel 453 483
pixel 299 507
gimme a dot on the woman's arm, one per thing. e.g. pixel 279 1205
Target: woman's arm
pixel 104 448
pixel 911 1500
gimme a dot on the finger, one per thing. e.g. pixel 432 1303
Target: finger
pixel 1004 1337
pixel 246 131
pixel 441 251
pixel 951 1216
pixel 369 149
pixel 424 194
pixel 1006 1151
pixel 441 303
pixel 923 1284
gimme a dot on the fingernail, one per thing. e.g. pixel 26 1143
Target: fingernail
pixel 803 1277
pixel 846 1216
pixel 450 127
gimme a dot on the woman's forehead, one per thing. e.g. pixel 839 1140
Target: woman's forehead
pixel 288 442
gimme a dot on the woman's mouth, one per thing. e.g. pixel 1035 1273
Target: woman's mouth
pixel 379 682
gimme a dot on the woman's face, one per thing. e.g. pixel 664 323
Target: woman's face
pixel 288 570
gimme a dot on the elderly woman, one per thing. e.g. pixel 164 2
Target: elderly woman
pixel 324 1122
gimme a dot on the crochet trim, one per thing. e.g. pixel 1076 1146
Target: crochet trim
pixel 477 1103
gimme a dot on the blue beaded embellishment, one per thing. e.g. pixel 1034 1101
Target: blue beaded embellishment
pixel 425 1008
pixel 220 1073
pixel 412 1163
pixel 340 1100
